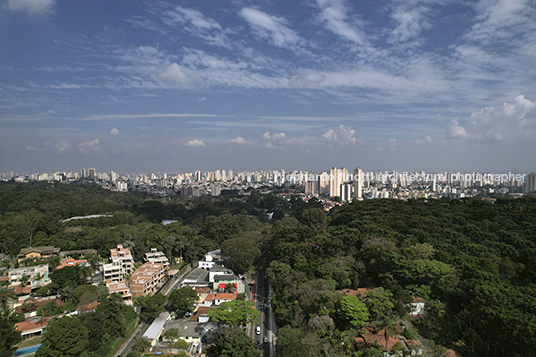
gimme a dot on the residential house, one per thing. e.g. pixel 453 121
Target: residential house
pixel 378 339
pixel 413 347
pixel 201 315
pixel 188 331
pixel 37 275
pixel 37 253
pixel 157 257
pixel 81 253
pixel 69 262
pixel 146 279
pixel 121 288
pixel 33 326
pixel 223 297
pixel 417 307
pixel 361 292
pixel 208 262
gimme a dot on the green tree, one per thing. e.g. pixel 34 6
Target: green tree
pixel 7 295
pixel 68 275
pixel 379 303
pixel 171 334
pixel 141 344
pixel 235 313
pixel 151 306
pixel 352 311
pixel 242 252
pixel 235 343
pixel 24 279
pixel 64 337
pixel 183 299
pixel 9 336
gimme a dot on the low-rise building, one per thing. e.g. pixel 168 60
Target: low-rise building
pixel 121 288
pixel 37 253
pixel 71 262
pixel 146 279
pixel 81 253
pixel 157 257
pixel 37 275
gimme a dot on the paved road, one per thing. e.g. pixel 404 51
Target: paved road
pixel 167 289
pixel 266 320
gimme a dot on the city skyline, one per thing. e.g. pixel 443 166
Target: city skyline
pixel 437 85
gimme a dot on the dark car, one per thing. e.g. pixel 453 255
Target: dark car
pixel 265 339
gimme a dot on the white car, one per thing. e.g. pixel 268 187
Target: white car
pixel 258 330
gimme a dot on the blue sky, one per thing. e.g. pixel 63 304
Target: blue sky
pixel 246 85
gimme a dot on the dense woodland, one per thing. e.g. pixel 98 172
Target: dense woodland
pixel 472 261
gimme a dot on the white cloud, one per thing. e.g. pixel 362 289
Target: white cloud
pixel 456 131
pixel 410 21
pixel 89 146
pixel 426 140
pixel 510 122
pixel 335 15
pixel 32 7
pixel 114 132
pixel 174 75
pixel 62 145
pixel 271 27
pixel 31 148
pixel 198 25
pixel 341 135
pixel 195 143
pixel 270 141
pixel 237 140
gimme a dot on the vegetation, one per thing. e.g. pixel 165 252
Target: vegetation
pixel 235 313
pixel 183 299
pixel 473 262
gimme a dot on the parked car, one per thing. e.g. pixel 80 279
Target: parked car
pixel 258 330
pixel 265 339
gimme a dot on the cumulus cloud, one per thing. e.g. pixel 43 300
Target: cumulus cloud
pixel 341 135
pixel 31 7
pixel 270 141
pixel 114 132
pixel 509 122
pixel 89 146
pixel 174 74
pixel 237 140
pixel 456 131
pixel 270 27
pixel 195 143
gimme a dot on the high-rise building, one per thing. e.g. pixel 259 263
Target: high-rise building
pixel 83 173
pixel 337 178
pixel 530 186
pixel 92 174
pixel 323 183
pixel 347 191
pixel 358 183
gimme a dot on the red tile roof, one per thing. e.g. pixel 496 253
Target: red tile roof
pixel 379 338
pixel 225 296
pixel 352 292
pixel 201 310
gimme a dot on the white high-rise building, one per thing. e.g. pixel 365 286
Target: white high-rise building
pixel 358 183
pixel 347 191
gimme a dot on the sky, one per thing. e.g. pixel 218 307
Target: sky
pixel 179 86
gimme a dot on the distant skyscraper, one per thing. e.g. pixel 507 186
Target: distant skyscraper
pixel 83 173
pixel 358 183
pixel 531 183
pixel 337 178
pixel 92 174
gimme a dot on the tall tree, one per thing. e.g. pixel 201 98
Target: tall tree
pixel 183 299
pixel 151 306
pixel 64 337
pixel 353 312
pixel 235 343
pixel 9 337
